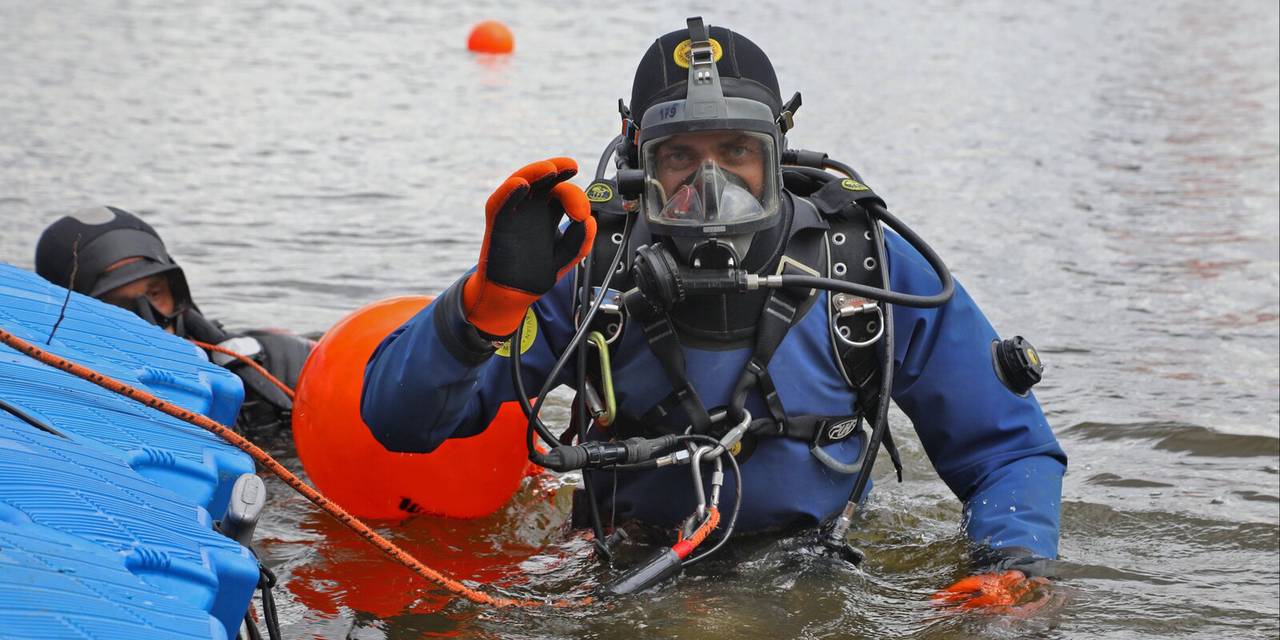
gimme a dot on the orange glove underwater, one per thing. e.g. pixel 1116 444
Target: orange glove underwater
pixel 524 253
pixel 996 592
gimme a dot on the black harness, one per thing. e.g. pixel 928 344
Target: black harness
pixel 844 244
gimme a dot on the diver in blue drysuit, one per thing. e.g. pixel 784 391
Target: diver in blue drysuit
pixel 437 377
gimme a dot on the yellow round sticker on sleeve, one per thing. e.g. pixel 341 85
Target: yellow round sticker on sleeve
pixel 528 335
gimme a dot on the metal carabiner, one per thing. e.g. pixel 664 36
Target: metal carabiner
pixel 730 438
pixel 605 408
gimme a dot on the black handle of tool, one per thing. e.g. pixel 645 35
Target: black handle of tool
pixel 661 565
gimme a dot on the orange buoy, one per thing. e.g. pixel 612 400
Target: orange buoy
pixel 463 478
pixel 491 36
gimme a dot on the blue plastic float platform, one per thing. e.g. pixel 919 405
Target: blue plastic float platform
pixel 106 506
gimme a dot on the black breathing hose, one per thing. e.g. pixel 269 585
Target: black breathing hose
pixel 580 411
pixel 840 527
pixel 884 294
pixel 604 157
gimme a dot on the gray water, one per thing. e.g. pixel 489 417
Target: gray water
pixel 1103 176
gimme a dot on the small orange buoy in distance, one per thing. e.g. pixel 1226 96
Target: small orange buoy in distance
pixel 464 478
pixel 491 36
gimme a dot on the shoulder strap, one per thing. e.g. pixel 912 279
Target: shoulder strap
pixel 611 218
pixel 857 324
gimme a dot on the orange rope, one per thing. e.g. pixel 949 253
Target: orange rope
pixel 262 457
pixel 713 519
pixel 686 545
pixel 249 361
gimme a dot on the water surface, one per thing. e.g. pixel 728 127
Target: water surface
pixel 1102 176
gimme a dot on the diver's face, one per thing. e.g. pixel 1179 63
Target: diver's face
pixel 732 151
pixel 155 288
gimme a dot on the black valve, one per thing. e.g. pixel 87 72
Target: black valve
pixel 1017 364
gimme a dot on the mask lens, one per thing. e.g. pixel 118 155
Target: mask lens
pixel 710 195
pixel 714 177
pixel 143 306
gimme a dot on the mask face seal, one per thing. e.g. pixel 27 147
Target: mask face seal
pixel 147 311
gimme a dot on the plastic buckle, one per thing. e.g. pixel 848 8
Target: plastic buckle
pixel 816 450
pixel 838 430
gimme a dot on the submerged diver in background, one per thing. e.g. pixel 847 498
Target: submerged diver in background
pixel 807 364
pixel 112 255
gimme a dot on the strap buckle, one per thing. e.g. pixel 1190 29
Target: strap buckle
pixel 846 429
pixel 837 430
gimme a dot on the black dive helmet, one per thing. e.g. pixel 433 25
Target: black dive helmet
pixel 708 141
pixel 76 251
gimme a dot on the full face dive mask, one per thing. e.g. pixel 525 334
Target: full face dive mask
pixel 710 162
pixel 146 310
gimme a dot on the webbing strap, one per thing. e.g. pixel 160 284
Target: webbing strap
pixel 661 335
pixel 853 241
pixel 780 311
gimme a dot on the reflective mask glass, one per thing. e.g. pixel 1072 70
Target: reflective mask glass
pixel 147 311
pixel 710 178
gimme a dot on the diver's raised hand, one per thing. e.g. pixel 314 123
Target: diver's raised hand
pixel 524 251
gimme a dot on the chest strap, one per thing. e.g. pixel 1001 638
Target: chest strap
pixel 664 344
pixel 779 313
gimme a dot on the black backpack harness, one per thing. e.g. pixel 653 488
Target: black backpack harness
pixel 841 242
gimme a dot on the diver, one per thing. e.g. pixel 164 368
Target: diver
pixel 713 216
pixel 114 256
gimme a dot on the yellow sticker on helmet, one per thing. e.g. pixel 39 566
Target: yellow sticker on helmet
pixel 599 192
pixel 529 334
pixel 681 54
pixel 854 185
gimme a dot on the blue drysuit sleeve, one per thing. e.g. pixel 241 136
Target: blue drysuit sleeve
pixel 435 377
pixel 992 447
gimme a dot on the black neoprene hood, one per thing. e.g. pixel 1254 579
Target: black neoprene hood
pixel 745 72
pixel 90 241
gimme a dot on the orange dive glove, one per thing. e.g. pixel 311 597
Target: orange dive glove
pixel 996 591
pixel 524 253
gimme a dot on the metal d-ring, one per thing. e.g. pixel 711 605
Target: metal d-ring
pixel 864 343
